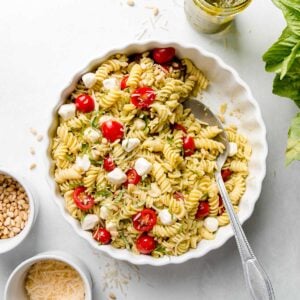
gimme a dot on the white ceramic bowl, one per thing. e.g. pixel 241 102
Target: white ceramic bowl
pixel 225 86
pixel 10 243
pixel 14 288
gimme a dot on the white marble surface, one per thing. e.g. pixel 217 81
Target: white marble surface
pixel 43 43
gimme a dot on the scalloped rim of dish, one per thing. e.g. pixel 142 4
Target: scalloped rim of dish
pixel 226 231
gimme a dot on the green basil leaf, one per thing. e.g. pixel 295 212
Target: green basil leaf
pixel 84 148
pixel 282 52
pixel 160 249
pixel 103 193
pixel 293 145
pixel 96 162
pixel 288 61
pixel 289 86
pixel 291 12
pixel 119 197
pixel 70 158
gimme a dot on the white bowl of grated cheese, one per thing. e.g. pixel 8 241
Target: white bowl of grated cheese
pixel 72 277
pixel 242 110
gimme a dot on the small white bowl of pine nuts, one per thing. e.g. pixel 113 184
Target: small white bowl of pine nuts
pixel 18 210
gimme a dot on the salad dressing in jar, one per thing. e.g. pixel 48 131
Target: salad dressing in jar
pixel 212 16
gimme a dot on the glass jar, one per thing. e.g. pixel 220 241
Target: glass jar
pixel 209 18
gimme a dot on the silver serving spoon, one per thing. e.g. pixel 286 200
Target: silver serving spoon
pixel 257 279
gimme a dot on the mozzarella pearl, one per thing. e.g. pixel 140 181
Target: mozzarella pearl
pixel 139 124
pixel 91 135
pixel 89 222
pixel 110 83
pixel 142 166
pixel 232 149
pixel 165 217
pixel 112 228
pixel 67 111
pixel 89 79
pixel 117 176
pixel 130 143
pixel 83 162
pixel 105 118
pixel 104 212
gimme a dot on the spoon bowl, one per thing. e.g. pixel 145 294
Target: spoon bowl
pixel 257 280
pixel 205 115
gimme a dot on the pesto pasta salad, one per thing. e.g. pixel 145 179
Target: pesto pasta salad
pixel 135 167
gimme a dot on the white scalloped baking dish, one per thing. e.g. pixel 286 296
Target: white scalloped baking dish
pixel 243 111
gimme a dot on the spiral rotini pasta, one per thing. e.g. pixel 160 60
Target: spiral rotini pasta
pixel 89 181
pixel 176 207
pixel 192 201
pixel 134 76
pixel 166 230
pixel 71 207
pixel 178 244
pixel 68 138
pixel 210 132
pixel 78 122
pixel 192 70
pixel 108 67
pixel 110 99
pixel 172 155
pixel 60 152
pixel 171 88
pixel 161 178
pixel 208 144
pixel 141 164
pixel 62 175
pixel 128 211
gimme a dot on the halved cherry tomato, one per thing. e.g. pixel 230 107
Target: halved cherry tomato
pixel 132 177
pixel 188 145
pixel 102 236
pixel 144 220
pixel 145 244
pixel 108 164
pixel 143 97
pixel 123 83
pixel 178 126
pixel 221 206
pixel 83 200
pixel 112 130
pixel 163 55
pixel 226 173
pixel 178 196
pixel 85 103
pixel 203 210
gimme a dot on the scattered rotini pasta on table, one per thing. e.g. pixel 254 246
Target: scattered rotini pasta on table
pixel 135 167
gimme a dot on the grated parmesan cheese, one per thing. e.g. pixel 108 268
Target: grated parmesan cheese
pixel 53 280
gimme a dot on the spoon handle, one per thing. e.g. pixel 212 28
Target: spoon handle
pixel 256 278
